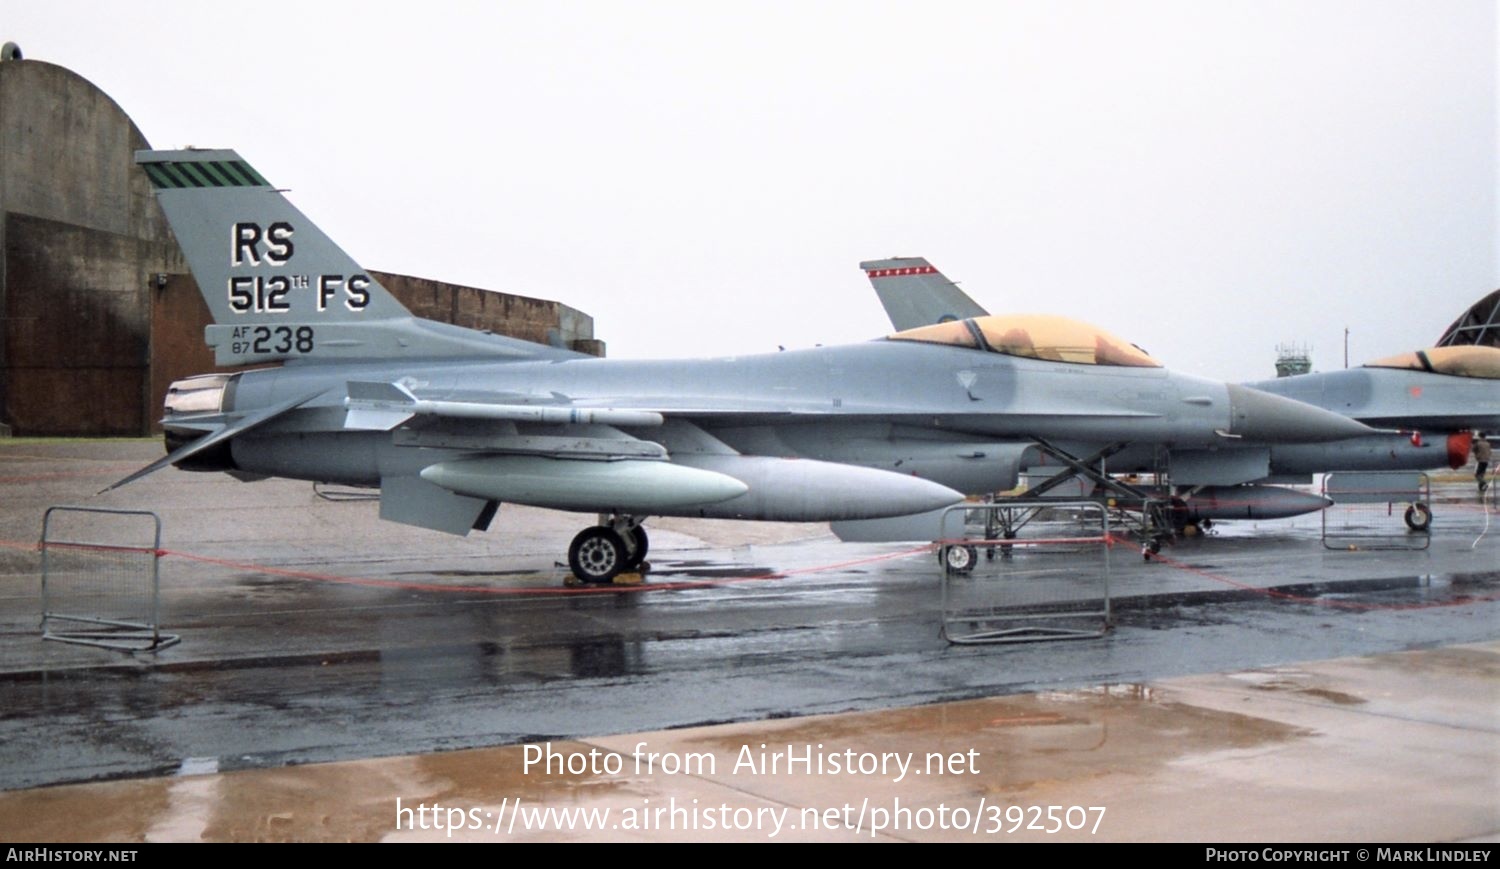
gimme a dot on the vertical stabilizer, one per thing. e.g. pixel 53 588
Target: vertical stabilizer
pixel 914 293
pixel 277 286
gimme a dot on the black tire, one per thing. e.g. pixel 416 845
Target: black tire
pixel 597 554
pixel 959 559
pixel 642 545
pixel 1418 517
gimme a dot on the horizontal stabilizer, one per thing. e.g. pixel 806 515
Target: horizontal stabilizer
pixel 239 427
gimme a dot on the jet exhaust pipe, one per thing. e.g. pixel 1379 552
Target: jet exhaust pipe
pixel 201 394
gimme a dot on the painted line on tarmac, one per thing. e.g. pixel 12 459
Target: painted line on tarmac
pixel 521 590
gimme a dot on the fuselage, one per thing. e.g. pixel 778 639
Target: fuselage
pixel 1397 397
pixel 937 387
pixel 955 416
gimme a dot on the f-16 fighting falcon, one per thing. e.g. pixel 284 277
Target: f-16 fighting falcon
pixel 449 423
pixel 1429 402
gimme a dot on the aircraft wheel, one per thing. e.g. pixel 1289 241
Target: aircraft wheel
pixel 640 543
pixel 597 554
pixel 959 559
pixel 1419 517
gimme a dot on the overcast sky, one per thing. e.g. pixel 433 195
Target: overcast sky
pixel 1206 179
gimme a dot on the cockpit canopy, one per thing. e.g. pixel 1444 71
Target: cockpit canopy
pixel 1458 360
pixel 1034 336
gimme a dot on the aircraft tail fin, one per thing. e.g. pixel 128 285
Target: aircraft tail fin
pixel 914 293
pixel 278 287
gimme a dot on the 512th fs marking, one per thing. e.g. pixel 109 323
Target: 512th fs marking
pixel 251 246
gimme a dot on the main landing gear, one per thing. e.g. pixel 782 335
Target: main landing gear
pixel 604 551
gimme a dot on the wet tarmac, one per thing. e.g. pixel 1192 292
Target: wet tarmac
pixel 1253 684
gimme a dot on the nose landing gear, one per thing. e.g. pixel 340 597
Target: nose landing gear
pixel 1418 517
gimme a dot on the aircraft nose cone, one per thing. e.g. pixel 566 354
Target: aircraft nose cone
pixel 1261 416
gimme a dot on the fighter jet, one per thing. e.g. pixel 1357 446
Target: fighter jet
pixel 1432 400
pixel 1436 389
pixel 448 423
pixel 1454 388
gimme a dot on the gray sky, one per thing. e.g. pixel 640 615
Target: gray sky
pixel 1206 179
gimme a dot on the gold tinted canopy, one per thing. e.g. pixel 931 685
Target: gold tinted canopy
pixel 1034 336
pixel 1460 360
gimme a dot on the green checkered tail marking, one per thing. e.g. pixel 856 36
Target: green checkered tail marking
pixel 207 173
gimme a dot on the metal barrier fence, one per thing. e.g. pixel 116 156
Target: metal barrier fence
pixel 101 581
pixel 1377 510
pixel 1025 570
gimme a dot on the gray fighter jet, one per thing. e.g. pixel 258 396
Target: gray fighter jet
pixel 1442 388
pixel 449 423
pixel 1432 398
pixel 1454 388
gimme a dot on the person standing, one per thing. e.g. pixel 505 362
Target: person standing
pixel 1482 458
